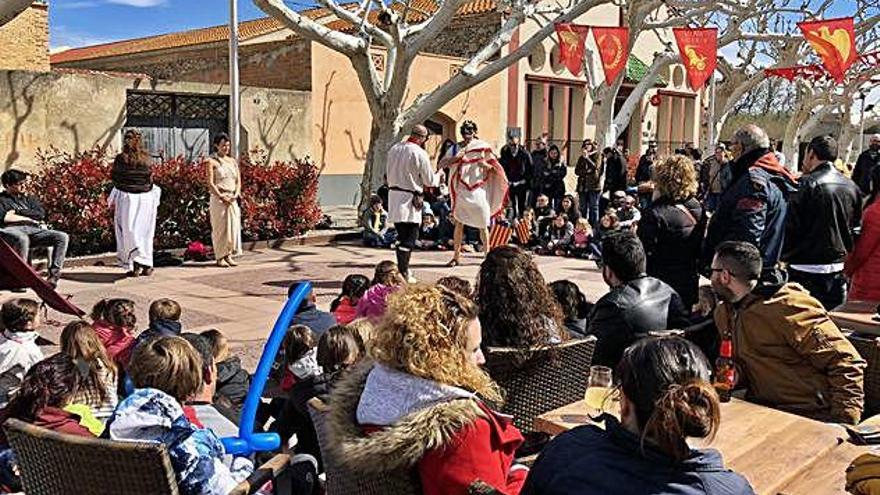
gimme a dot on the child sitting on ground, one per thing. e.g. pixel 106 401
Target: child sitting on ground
pixel 377 232
pixel 344 307
pixel 99 374
pixel 582 242
pixel 18 344
pixel 164 320
pixel 386 280
pixel 429 233
pixel 544 214
pixel 558 237
pixel 338 350
pixel 233 382
pixel 629 215
pixel 300 355
pixel 114 321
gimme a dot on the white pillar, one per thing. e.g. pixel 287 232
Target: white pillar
pixel 234 91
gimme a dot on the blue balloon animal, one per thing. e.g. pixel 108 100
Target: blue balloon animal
pixel 247 441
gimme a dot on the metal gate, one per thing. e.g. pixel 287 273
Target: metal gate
pixel 174 124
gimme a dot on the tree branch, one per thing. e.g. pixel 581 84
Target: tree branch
pixel 311 30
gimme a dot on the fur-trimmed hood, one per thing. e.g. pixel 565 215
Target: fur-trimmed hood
pixel 400 445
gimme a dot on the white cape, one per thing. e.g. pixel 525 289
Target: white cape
pixel 478 185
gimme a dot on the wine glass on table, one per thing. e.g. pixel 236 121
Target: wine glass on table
pixel 598 389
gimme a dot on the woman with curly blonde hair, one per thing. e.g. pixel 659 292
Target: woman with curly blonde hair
pixel 418 407
pixel 672 228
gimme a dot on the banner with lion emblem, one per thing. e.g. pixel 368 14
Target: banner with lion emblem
pixel 699 52
pixel 835 42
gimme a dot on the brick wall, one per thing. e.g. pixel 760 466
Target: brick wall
pixel 280 65
pixel 24 41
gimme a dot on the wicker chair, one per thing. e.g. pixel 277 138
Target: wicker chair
pixel 540 380
pixel 869 348
pixel 343 481
pixel 53 463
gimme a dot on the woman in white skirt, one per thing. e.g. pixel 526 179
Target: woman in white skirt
pixel 135 199
pixel 224 182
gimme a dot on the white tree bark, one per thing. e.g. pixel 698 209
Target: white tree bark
pixel 9 9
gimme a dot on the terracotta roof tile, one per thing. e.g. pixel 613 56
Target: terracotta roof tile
pixel 422 7
pixel 247 30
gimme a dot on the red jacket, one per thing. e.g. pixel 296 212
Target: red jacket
pixel 482 451
pixel 863 264
pixel 345 312
pixel 118 341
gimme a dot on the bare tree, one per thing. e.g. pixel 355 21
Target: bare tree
pixel 9 9
pixel 403 30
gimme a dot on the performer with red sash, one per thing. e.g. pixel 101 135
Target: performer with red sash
pixel 477 184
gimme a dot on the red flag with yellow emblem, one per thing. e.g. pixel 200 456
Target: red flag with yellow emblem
pixel 613 44
pixel 699 53
pixel 835 42
pixel 572 38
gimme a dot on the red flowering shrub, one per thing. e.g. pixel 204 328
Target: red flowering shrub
pixel 278 199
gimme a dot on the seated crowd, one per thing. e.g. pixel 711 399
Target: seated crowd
pixel 399 369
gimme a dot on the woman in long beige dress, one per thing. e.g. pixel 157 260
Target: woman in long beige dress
pixel 224 182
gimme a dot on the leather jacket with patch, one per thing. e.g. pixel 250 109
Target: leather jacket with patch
pixel 753 209
pixel 821 216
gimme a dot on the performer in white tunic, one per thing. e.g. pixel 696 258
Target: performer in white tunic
pixel 135 199
pixel 477 184
pixel 409 171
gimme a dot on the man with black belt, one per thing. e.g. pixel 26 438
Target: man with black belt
pixel 818 227
pixel 409 172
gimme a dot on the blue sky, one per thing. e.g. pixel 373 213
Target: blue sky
pixel 86 22
pixel 75 23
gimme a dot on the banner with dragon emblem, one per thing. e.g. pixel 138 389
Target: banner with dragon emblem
pixel 835 42
pixel 699 52
pixel 572 38
pixel 613 44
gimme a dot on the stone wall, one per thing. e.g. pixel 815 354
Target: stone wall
pixel 280 64
pixel 466 35
pixel 74 111
pixel 24 41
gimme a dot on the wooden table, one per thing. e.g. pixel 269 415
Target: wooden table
pixel 771 448
pixel 857 316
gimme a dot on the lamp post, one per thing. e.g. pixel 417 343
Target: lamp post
pixel 234 92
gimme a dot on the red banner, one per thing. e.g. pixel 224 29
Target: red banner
pixel 613 44
pixel 835 42
pixel 864 61
pixel 699 52
pixel 572 38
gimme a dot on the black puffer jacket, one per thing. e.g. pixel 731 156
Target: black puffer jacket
pixel 821 217
pixel 232 387
pixel 628 312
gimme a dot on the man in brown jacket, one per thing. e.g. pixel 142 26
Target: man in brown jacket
pixel 790 354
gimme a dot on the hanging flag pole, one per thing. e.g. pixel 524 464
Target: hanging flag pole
pixel 234 91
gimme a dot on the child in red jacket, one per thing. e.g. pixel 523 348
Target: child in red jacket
pixel 115 321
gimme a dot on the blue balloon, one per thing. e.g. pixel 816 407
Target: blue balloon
pixel 247 441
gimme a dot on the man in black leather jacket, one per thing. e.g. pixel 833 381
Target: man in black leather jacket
pixel 637 304
pixel 819 225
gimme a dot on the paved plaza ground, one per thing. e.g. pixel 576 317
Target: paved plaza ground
pixel 243 302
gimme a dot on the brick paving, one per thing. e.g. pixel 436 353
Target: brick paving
pixel 243 302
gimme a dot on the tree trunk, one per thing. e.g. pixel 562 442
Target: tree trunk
pixel 602 115
pixel 383 135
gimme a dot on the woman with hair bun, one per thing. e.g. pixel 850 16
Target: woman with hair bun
pixel 665 398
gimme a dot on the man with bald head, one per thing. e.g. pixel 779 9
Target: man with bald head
pixel 753 207
pixel 409 172
pixel 869 159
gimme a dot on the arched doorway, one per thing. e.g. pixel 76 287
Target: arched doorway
pixel 440 127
